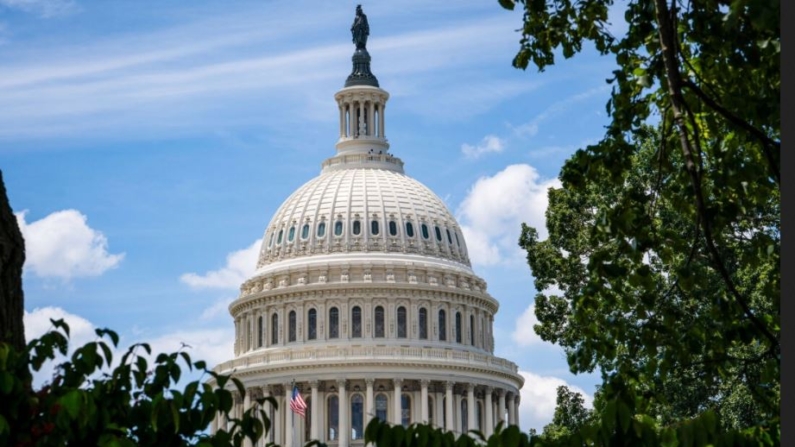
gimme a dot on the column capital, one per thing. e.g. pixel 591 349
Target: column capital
pixel 314 383
pixel 397 382
pixel 471 387
pixel 425 382
pixel 489 390
pixel 501 392
pixel 342 384
pixel 369 381
pixel 449 385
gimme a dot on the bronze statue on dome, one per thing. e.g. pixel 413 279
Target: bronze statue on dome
pixel 360 29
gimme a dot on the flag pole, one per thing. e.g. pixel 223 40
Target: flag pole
pixel 292 414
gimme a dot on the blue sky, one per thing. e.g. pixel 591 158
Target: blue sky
pixel 145 146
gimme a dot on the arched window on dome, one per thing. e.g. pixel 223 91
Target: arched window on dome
pixel 392 228
pixel 279 239
pixel 442 325
pixel 333 323
pixel 338 228
pixel 291 234
pixel 357 417
pixel 270 241
pixel 333 417
pixel 356 322
pixel 274 329
pixel 378 327
pixel 357 228
pixel 401 322
pixel 311 324
pixel 374 229
pixel 260 332
pixel 449 237
pixel 438 233
pixel 305 231
pixel 321 229
pixel 472 330
pixel 291 325
pixel 464 414
pixel 409 229
pixel 405 409
pixel 457 241
pixel 423 323
pixel 381 406
pixel 458 335
pixel 425 233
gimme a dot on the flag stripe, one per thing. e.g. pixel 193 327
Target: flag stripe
pixel 297 403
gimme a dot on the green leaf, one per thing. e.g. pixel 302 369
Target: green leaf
pixel 72 402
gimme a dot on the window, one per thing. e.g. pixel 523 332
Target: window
pixel 442 325
pixel 333 323
pixel 260 333
pixel 457 242
pixel 356 322
pixel 374 228
pixel 338 228
pixel 458 327
pixel 270 241
pixel 311 324
pixel 291 323
pixel 381 402
pixel 425 233
pixel 392 228
pixel 291 234
pixel 378 329
pixel 357 417
pixel 321 229
pixel 333 412
pixel 423 323
pixel 472 330
pixel 305 231
pixel 409 229
pixel 279 239
pixel 449 238
pixel 401 322
pixel 405 410
pixel 464 414
pixel 438 233
pixel 357 227
pixel 274 329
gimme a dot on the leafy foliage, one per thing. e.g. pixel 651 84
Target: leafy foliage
pixel 135 404
pixel 570 415
pixel 665 235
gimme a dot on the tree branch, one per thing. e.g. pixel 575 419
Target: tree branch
pixel 674 80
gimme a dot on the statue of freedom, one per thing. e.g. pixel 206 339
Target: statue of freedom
pixel 360 29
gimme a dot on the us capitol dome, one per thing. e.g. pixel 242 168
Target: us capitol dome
pixel 364 299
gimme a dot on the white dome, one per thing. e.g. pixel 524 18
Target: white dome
pixel 360 209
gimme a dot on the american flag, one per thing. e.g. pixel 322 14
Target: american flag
pixel 297 403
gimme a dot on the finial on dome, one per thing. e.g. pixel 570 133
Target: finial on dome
pixel 361 74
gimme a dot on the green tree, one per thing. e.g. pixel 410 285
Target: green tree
pixel 135 403
pixel 665 240
pixel 570 415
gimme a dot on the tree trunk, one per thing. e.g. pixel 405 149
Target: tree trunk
pixel 12 256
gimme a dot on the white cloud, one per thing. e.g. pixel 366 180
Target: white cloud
pixel 530 128
pixel 538 399
pixel 213 345
pixel 494 208
pixel 489 144
pixel 44 8
pixel 220 307
pixel 240 265
pixel 62 245
pixel 524 335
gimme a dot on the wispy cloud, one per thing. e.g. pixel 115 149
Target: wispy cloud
pixel 43 8
pixel 489 144
pixel 530 128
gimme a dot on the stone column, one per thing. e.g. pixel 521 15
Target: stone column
pixel 289 416
pixel 516 401
pixel 344 425
pixel 501 406
pixel 369 404
pixel 511 410
pixel 448 422
pixel 381 119
pixel 342 120
pixel 370 119
pixel 471 406
pixel 489 429
pixel 396 407
pixel 315 403
pixel 266 407
pixel 424 400
pixel 246 406
pixel 360 115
